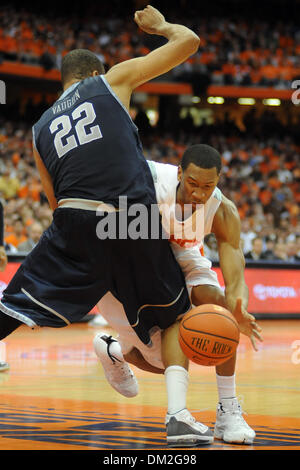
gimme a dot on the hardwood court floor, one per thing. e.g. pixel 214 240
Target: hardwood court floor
pixel 55 396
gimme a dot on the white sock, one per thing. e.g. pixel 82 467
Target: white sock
pixel 226 386
pixel 177 379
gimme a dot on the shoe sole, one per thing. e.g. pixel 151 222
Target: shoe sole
pixel 244 441
pixel 189 440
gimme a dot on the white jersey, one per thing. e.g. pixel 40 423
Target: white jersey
pixel 190 232
pixel 195 267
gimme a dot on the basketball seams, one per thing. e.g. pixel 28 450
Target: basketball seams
pixel 212 313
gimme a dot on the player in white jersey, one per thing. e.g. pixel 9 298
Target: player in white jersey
pixel 193 185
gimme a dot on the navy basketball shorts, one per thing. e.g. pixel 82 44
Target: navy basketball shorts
pixel 70 269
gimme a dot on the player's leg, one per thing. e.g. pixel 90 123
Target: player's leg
pixel 121 378
pixel 127 346
pixel 171 352
pixel 230 424
pixel 154 296
pixel 136 358
pixel 7 326
pixel 182 428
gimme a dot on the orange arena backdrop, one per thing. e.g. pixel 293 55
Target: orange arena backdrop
pixel 272 291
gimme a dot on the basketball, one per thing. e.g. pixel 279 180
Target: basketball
pixel 208 335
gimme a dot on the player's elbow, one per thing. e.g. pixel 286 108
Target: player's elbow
pixel 192 43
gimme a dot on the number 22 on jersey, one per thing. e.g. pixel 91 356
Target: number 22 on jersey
pixel 85 115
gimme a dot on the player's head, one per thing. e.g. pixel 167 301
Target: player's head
pixel 198 174
pixel 78 65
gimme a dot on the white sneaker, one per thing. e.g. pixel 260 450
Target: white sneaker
pixel 3 366
pixel 116 370
pixel 230 424
pixel 184 431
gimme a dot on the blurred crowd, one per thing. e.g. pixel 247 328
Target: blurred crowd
pixel 26 210
pixel 233 51
pixel 260 175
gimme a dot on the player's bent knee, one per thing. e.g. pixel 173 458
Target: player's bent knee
pixel 135 358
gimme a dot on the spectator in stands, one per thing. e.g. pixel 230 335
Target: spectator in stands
pixel 8 185
pixel 292 251
pixel 211 248
pixel 35 231
pixel 247 235
pixel 232 50
pixel 257 252
pixel 10 249
pixel 280 252
pixel 17 235
pixel 269 251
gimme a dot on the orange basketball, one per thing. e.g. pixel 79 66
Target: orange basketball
pixel 208 335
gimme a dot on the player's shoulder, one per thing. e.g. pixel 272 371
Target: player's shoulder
pixel 226 224
pixel 162 170
pixel 227 210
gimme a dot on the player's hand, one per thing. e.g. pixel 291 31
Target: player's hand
pixel 3 258
pixel 149 20
pixel 247 323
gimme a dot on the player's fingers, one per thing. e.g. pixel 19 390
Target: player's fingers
pixel 251 317
pixel 258 336
pixel 253 341
pixel 256 326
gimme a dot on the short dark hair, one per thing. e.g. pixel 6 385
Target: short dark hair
pixel 79 63
pixel 202 155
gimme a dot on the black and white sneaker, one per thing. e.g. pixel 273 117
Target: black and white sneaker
pixel 184 431
pixel 116 370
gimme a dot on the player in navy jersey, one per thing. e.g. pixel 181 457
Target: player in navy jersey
pixel 89 155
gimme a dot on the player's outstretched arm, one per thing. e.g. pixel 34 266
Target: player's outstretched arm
pixel 226 227
pixel 182 43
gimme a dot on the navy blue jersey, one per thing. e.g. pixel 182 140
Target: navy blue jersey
pixel 91 147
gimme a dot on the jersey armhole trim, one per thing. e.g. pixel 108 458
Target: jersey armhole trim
pixel 117 98
pixel 153 170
